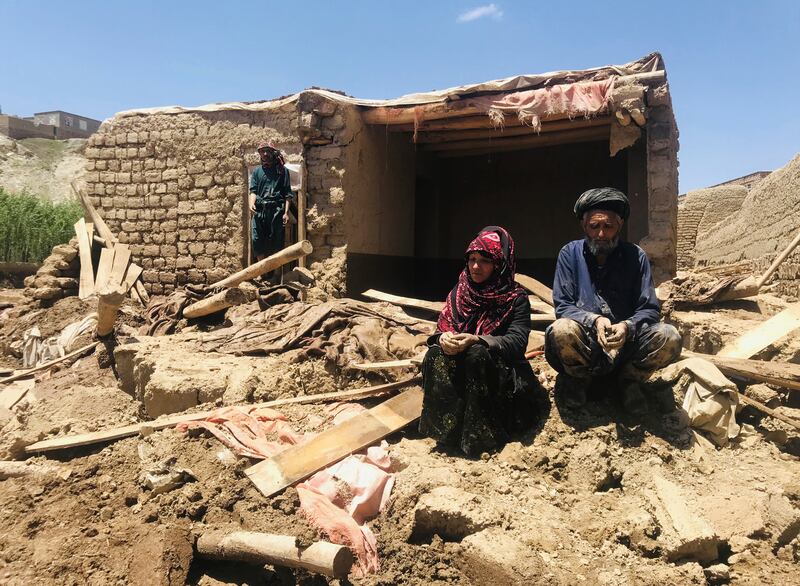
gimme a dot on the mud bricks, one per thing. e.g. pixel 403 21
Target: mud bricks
pixel 174 185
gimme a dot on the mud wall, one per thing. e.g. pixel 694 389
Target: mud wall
pixel 174 186
pixel 698 213
pixel 769 218
pixel 661 133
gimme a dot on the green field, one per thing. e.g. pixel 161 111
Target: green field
pixel 30 226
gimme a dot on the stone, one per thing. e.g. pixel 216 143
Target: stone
pixel 495 557
pixel 161 556
pixel 451 513
pixel 783 519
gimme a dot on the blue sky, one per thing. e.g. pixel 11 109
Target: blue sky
pixel 732 65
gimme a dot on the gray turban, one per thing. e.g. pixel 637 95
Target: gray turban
pixel 603 198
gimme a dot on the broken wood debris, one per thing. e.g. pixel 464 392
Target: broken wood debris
pixel 538 288
pixel 85 439
pixel 766 333
pixel 299 462
pixel 780 374
pixel 46 365
pixel 432 306
pixel 321 557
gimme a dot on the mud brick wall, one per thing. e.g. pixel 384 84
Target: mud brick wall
pixel 768 219
pixel 174 187
pixel 699 212
pixel 662 181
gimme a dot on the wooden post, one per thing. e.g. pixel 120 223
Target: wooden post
pixel 215 303
pixel 301 210
pixel 778 260
pixel 280 258
pixel 109 300
pixel 321 557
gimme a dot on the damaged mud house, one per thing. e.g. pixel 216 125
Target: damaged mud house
pixel 166 419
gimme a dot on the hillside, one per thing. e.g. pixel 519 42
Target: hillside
pixel 41 166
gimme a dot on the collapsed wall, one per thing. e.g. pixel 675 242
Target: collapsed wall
pixel 172 183
pixel 698 214
pixel 769 218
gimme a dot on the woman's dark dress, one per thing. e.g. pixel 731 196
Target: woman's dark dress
pixel 476 399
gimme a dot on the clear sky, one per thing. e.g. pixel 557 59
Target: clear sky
pixel 732 65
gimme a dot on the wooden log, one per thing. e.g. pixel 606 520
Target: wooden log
pixel 746 288
pixel 107 435
pixel 46 365
pixel 102 228
pixel 432 306
pixel 86 286
pixel 766 333
pixel 104 268
pixel 270 263
pixel 41 472
pixel 299 462
pixel 109 300
pixel 321 557
pixel 780 374
pixel 425 136
pixel 218 302
pixel 778 260
pixel 538 288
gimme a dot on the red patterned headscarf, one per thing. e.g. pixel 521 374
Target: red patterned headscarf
pixel 279 159
pixel 482 308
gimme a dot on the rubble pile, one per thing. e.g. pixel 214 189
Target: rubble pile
pixel 58 275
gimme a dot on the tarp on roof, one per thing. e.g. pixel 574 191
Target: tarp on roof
pixel 649 63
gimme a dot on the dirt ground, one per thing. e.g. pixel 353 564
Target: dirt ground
pixel 585 497
pixel 42 166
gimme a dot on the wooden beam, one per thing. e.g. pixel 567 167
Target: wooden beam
pixel 778 260
pixel 771 412
pixel 446 135
pixel 387 365
pixel 280 258
pixel 522 142
pixel 107 435
pixel 321 557
pixel 100 225
pixel 86 287
pixel 766 333
pixel 432 306
pixel 780 374
pixel 538 288
pixel 299 462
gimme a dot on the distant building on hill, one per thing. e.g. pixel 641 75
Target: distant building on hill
pixel 56 124
pixel 747 181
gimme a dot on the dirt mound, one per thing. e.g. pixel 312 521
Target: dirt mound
pixel 42 166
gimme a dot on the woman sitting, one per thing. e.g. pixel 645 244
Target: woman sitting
pixel 478 385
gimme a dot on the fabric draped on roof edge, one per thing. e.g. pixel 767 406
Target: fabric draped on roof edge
pixel 649 63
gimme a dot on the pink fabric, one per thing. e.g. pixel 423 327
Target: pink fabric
pixel 574 99
pixel 336 500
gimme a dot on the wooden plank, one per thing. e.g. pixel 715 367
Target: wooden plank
pixel 389 364
pixel 104 268
pixel 539 306
pixel 107 435
pixel 330 446
pixel 86 287
pixel 780 374
pixel 30 371
pixel 122 256
pixel 766 333
pixel 433 306
pixel 90 233
pixel 771 412
pixel 538 288
pixel 540 319
pixel 131 275
pixel 100 225
pixel 14 392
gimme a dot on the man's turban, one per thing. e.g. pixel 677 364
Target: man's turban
pixel 603 198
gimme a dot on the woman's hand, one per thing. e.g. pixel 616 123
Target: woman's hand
pixel 453 344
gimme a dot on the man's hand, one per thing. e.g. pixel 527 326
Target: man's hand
pixel 285 218
pixel 251 203
pixel 611 337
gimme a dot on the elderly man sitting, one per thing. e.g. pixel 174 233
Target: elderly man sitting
pixel 607 310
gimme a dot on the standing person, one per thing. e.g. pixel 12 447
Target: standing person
pixel 606 305
pixel 477 383
pixel 268 200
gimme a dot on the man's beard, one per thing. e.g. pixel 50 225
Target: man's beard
pixel 601 247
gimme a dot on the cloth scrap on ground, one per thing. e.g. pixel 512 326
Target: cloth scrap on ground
pixel 337 500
